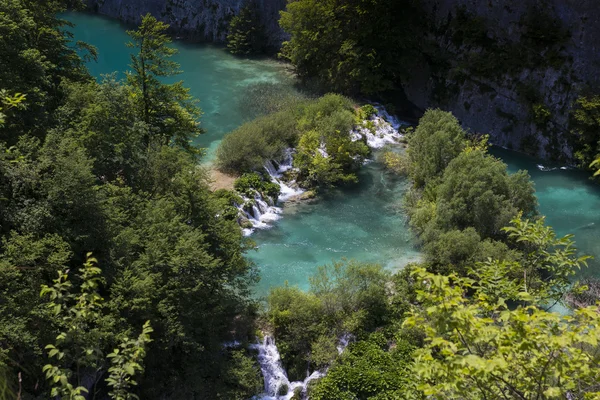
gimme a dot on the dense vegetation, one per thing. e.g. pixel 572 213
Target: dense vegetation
pixel 108 168
pixel 340 45
pixel 462 197
pixel 246 34
pixel 318 129
pixel 122 275
pixel 585 126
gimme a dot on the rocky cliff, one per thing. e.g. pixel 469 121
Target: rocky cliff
pixel 540 55
pixel 203 20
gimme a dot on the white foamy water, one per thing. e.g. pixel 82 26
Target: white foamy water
pixel 379 130
pixel 265 211
pixel 277 384
pixel 288 189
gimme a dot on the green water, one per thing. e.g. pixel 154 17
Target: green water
pixel 216 78
pixel 363 223
pixel 569 200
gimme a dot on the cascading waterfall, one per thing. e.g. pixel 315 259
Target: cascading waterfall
pixel 379 130
pixel 277 384
pixel 261 211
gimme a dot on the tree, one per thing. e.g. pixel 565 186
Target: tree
pixel 246 33
pixel 78 349
pixel 436 141
pixel 476 347
pixel 338 43
pixel 476 191
pixel 35 58
pixel 584 126
pixel 167 109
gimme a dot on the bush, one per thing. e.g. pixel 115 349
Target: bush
pixel 247 148
pixel 320 129
pixel 248 184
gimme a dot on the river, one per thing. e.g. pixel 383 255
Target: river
pixel 364 222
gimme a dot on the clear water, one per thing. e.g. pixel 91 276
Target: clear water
pixel 569 200
pixel 215 77
pixel 364 222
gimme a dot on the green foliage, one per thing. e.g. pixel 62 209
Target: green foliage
pixel 7 102
pixel 246 33
pixel 345 298
pixel 478 348
pixel 243 377
pixel 167 109
pixel 248 184
pixel 36 56
pixel 78 346
pixel 476 191
pixel 248 147
pixel 462 197
pixel 126 362
pixel 437 140
pixel 549 263
pixel 369 369
pixel 341 46
pixel 585 127
pixel 320 131
pixel 85 168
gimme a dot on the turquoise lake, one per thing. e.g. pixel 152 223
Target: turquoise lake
pixel 363 223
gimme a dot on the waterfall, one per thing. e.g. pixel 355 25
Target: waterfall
pixel 260 211
pixel 379 130
pixel 288 189
pixel 277 384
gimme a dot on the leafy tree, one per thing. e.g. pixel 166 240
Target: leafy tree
pixel 476 191
pixel 126 362
pixel 78 348
pixel 338 44
pixel 246 33
pixel 584 126
pixel 166 108
pixel 436 141
pixel 35 57
pixel 462 197
pixel 477 347
pixel 369 369
pixel 104 119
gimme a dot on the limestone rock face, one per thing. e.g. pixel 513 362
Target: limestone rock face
pixel 203 20
pixel 500 109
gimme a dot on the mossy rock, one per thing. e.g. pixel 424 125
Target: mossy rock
pixel 297 394
pixel 283 390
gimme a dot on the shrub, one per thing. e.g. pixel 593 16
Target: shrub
pixel 320 129
pixel 247 184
